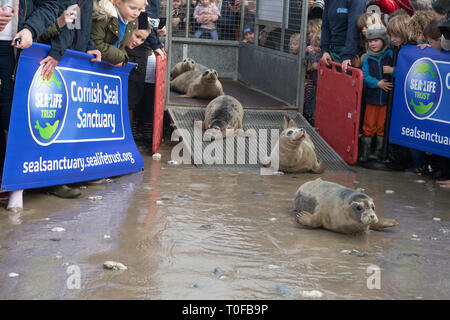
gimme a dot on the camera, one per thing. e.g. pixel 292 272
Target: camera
pixel 317 9
pixel 443 7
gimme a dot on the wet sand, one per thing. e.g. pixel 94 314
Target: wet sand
pixel 223 235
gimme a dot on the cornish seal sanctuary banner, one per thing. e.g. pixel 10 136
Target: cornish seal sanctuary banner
pixel 421 110
pixel 73 127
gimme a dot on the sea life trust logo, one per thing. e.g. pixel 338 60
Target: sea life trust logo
pixel 423 89
pixel 47 107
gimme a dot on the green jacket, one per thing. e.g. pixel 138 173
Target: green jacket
pixel 105 32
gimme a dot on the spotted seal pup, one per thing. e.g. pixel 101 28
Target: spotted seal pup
pixel 296 151
pixel 223 117
pixel 198 84
pixel 183 66
pixel 334 207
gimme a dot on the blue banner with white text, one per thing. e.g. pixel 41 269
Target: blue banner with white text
pixel 73 127
pixel 421 110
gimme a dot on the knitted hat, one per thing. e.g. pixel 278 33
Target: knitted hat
pixel 377 31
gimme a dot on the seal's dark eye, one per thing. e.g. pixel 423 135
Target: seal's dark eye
pixel 206 73
pixel 372 207
pixel 359 207
pixel 290 132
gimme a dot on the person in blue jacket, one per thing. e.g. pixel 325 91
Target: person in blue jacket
pixel 21 22
pixel 340 37
pixel 377 72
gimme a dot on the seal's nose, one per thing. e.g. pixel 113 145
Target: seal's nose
pixel 372 216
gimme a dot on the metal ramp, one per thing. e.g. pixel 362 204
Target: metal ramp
pixel 183 118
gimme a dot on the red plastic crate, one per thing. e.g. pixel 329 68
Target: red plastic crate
pixel 158 117
pixel 338 108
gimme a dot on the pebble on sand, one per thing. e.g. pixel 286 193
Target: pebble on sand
pixel 13 275
pixel 95 198
pixel 172 162
pixel 58 229
pixel 389 191
pixel 156 156
pixel 112 265
pixel 436 219
pixel 312 294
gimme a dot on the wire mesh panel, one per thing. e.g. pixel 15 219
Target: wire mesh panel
pixel 243 153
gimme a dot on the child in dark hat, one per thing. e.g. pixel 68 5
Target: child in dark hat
pixel 378 71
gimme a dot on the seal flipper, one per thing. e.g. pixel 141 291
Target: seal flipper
pixel 383 223
pixel 319 168
pixel 307 219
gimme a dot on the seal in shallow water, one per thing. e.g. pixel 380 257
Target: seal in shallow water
pixel 222 113
pixel 337 208
pixel 296 151
pixel 198 84
pixel 183 66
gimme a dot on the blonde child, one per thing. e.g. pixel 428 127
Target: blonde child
pixel 398 31
pixel 112 26
pixel 294 43
pixel 418 22
pixel 365 20
pixel 312 59
pixel 206 14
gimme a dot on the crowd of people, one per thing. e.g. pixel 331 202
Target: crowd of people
pixel 351 36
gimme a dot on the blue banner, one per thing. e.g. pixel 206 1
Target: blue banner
pixel 71 128
pixel 421 110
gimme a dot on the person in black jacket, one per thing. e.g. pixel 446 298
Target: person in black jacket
pixel 26 22
pixel 77 37
pixel 152 42
pixel 340 37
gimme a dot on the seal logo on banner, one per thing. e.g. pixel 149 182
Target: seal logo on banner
pixel 47 107
pixel 423 88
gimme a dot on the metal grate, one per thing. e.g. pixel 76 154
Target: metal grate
pixel 253 119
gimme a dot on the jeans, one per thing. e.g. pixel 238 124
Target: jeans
pixel 212 33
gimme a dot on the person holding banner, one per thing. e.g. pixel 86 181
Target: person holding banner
pixel 21 22
pixel 65 34
pixel 340 37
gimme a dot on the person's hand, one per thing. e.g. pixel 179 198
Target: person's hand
pixel 68 16
pixel 26 39
pixel 175 22
pixel 309 49
pixel 160 52
pixel 315 66
pixel 5 18
pixel 388 69
pixel 345 64
pixel 385 85
pixel 423 45
pixel 50 64
pixel 97 54
pixel 326 56
pixel 161 32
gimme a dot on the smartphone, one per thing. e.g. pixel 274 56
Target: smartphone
pixel 162 23
pixel 154 23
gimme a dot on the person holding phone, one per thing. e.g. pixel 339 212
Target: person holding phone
pixel 66 34
pixel 21 22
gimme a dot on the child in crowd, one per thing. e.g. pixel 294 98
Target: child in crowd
pixel 206 13
pixel 365 20
pixel 312 59
pixel 113 25
pixel 249 35
pixel 294 43
pixel 313 26
pixel 418 22
pixel 432 35
pixel 377 71
pixel 178 18
pixel 138 55
pixel 398 31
